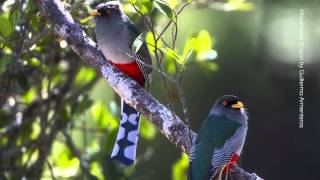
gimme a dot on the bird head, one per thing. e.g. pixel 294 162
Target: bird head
pixel 107 10
pixel 231 107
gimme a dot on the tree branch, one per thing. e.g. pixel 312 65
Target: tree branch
pixel 169 124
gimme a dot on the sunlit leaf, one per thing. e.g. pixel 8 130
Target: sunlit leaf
pixel 151 43
pixel 138 42
pixel 172 3
pixel 147 4
pixel 245 7
pixel 240 5
pixel 6 28
pixel 171 53
pixel 29 157
pixel 102 116
pixel 85 75
pixel 204 42
pixel 68 169
pixel 164 8
pixel 85 20
pixel 66 164
pixel 96 170
pixel 30 95
pixel 170 66
pixel 180 168
pixel 147 130
pixel 143 6
pixel 35 129
pixel 34 61
pixel 94 146
pixel 186 55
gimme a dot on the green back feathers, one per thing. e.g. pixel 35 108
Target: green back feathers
pixel 214 132
pixel 218 129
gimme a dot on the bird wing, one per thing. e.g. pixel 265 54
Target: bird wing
pixel 206 154
pixel 222 156
pixel 143 57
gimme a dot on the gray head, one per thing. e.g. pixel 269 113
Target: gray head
pixel 110 9
pixel 231 107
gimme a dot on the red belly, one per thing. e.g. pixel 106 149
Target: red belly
pixel 132 70
pixel 233 161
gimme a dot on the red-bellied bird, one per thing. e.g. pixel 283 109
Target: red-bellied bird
pixel 115 34
pixel 220 139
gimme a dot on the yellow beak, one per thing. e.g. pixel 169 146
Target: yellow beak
pixel 94 12
pixel 239 105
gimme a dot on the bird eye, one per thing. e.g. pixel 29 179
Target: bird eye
pixel 224 103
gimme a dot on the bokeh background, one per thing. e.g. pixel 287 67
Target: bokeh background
pixel 58 119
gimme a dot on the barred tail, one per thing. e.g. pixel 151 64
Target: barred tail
pixel 125 146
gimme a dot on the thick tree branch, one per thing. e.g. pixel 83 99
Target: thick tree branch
pixel 169 124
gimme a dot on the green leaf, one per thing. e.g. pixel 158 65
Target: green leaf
pixel 85 20
pixel 14 18
pixel 6 29
pixel 164 8
pixel 147 129
pixel 35 129
pixel 170 66
pixel 180 168
pixel 30 95
pixel 85 75
pixel 172 3
pixel 102 116
pixel 151 43
pixel 240 5
pixel 34 62
pixel 4 60
pixel 138 42
pixel 186 55
pixel 169 52
pixel 147 4
pixel 204 42
pixel 96 170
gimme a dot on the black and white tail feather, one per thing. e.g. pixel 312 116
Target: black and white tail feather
pixel 125 147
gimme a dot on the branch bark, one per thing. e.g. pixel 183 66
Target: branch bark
pixel 168 123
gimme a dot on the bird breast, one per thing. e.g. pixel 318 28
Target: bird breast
pixel 114 41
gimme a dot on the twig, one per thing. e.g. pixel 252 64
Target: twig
pixel 83 164
pixel 51 170
pixel 179 72
pixel 162 73
pixel 158 59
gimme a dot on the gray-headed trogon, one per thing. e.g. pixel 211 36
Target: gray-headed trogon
pixel 115 35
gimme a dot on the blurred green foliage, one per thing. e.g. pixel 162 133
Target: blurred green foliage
pixel 57 120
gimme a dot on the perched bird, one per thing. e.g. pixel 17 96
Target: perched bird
pixel 220 139
pixel 115 35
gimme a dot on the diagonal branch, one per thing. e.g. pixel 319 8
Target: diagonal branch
pixel 169 124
